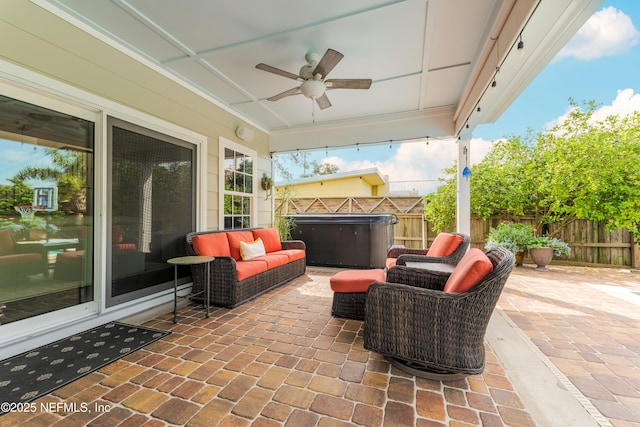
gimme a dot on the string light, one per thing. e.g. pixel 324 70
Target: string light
pixel 520 47
pixel 386 141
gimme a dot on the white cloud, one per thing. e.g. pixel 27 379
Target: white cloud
pixel 479 148
pixel 608 32
pixel 626 102
pixel 417 162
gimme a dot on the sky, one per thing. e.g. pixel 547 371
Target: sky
pixel 600 63
pixel 16 157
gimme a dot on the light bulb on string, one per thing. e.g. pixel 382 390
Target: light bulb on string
pixel 520 47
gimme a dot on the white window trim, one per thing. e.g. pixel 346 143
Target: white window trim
pixel 226 143
pixel 30 86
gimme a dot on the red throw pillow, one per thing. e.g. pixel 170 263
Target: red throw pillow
pixel 270 239
pixel 444 244
pixel 117 235
pixel 473 267
pixel 213 244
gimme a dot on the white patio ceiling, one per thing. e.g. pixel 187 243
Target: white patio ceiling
pixel 431 61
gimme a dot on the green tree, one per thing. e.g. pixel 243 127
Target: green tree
pixel 440 206
pixel 502 183
pixel 283 162
pixel 580 169
pixel 19 193
pixel 68 171
pixel 323 168
pixel 591 170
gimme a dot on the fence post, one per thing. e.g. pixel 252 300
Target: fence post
pixel 635 255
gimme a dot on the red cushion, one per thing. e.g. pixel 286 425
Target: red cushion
pixel 124 247
pixel 273 260
pixel 269 237
pixel 355 280
pixel 245 269
pixel 234 238
pixel 444 244
pixel 117 235
pixel 292 254
pixel 473 267
pixel 390 262
pixel 213 244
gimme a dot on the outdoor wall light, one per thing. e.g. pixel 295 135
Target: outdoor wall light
pixel 244 133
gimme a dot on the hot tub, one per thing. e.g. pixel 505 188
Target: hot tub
pixel 354 241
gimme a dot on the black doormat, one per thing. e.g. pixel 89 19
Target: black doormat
pixel 30 375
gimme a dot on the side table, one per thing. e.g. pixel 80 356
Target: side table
pixel 190 260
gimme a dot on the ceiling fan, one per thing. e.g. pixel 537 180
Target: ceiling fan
pixel 313 77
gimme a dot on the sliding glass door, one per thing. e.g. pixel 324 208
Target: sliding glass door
pixel 151 209
pixel 46 209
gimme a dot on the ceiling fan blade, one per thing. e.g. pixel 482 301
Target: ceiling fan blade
pixel 278 71
pixel 323 101
pixel 289 92
pixel 329 60
pixel 349 83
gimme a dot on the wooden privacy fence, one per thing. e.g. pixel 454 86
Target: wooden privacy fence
pixel 409 230
pixel 590 243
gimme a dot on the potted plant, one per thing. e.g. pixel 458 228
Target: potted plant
pixel 266 183
pixel 512 236
pixel 543 249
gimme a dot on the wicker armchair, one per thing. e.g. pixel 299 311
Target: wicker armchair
pixel 453 258
pixel 427 332
pixel 403 255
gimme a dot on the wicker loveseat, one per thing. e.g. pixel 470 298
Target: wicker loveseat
pixel 430 330
pixel 234 280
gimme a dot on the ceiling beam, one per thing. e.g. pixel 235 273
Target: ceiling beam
pixel 497 49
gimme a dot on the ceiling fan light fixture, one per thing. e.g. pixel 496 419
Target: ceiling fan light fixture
pixel 313 75
pixel 312 88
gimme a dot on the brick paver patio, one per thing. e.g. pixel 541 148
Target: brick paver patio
pixel 282 360
pixel 586 321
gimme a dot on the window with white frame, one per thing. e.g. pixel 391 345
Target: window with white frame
pixel 238 187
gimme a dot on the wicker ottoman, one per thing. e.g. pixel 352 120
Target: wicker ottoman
pixel 350 291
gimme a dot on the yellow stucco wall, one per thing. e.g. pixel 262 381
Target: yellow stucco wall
pixel 342 187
